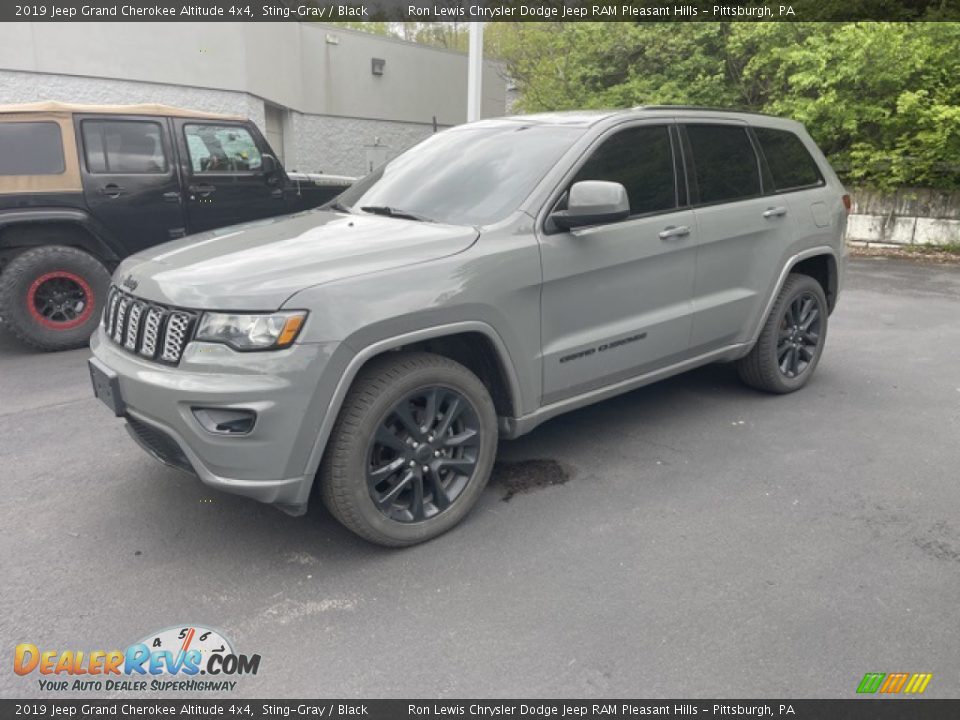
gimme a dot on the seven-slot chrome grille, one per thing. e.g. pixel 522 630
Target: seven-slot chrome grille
pixel 152 331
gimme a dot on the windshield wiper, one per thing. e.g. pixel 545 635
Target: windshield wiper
pixel 395 212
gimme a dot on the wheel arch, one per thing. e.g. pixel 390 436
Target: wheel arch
pixel 823 269
pixel 474 344
pixel 821 260
pixel 32 229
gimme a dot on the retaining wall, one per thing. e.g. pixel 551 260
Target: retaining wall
pixel 909 216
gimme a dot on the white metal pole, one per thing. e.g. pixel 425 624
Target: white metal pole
pixel 475 71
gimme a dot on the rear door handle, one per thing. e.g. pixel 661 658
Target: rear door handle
pixel 112 190
pixel 673 231
pixel 278 193
pixel 171 196
pixel 775 212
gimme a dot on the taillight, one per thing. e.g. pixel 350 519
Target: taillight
pixel 847 203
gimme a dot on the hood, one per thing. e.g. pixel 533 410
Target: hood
pixel 259 265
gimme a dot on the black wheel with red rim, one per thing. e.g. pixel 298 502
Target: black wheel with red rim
pixel 60 300
pixel 51 297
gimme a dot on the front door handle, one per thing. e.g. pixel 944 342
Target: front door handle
pixel 775 212
pixel 278 193
pixel 202 190
pixel 674 231
pixel 172 196
pixel 112 190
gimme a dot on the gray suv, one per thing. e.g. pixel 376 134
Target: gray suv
pixel 494 276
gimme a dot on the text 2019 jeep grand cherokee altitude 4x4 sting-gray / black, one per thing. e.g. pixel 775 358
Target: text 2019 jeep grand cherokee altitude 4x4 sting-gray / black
pixel 493 276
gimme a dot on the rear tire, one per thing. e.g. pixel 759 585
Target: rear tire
pixel 411 451
pixel 791 342
pixel 52 297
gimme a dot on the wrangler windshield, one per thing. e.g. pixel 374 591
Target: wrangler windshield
pixel 472 175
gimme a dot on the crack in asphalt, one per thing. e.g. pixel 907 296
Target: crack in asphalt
pixel 38 408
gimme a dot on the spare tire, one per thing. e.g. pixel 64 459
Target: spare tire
pixel 52 297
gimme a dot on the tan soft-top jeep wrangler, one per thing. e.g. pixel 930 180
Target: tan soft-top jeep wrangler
pixel 84 186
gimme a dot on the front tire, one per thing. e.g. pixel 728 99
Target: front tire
pixel 411 451
pixel 791 342
pixel 52 297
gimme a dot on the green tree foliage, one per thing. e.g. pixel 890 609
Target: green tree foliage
pixel 374 27
pixel 882 99
pixel 449 35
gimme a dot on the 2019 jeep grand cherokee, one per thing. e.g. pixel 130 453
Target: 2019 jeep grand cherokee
pixel 495 275
pixel 84 186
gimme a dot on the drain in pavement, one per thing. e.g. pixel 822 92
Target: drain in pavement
pixel 525 476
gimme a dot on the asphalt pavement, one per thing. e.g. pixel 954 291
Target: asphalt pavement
pixel 692 538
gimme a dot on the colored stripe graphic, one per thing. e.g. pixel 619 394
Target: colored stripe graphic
pixel 918 683
pixel 894 683
pixel 870 683
pixel 910 683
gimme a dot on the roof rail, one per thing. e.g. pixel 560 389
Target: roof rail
pixel 698 107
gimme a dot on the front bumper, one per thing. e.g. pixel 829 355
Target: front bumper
pixel 283 387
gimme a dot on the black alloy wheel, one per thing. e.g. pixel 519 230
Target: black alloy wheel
pixel 60 300
pixel 423 454
pixel 791 340
pixel 799 334
pixel 411 450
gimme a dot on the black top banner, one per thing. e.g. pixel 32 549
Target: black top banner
pixel 853 709
pixel 481 10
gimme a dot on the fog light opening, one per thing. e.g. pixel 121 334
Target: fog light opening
pixel 226 421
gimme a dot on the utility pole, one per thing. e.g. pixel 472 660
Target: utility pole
pixel 475 71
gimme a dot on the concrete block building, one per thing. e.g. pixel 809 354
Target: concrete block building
pixel 328 99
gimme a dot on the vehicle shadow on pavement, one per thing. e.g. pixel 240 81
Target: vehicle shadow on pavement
pixel 262 534
pixel 523 469
pixel 151 494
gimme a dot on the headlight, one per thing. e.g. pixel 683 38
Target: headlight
pixel 251 332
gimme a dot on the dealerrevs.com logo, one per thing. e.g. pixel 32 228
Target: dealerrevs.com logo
pixel 183 658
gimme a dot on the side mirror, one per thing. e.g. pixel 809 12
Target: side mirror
pixel 269 164
pixel 593 202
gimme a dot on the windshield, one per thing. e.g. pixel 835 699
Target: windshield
pixel 467 176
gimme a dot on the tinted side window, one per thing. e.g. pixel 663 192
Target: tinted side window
pixel 221 149
pixel 641 159
pixel 788 159
pixel 725 163
pixel 123 147
pixel 31 148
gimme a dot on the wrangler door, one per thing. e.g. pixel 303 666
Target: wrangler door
pixel 226 178
pixel 130 182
